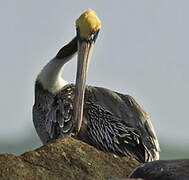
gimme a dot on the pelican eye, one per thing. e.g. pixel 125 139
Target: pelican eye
pixel 93 35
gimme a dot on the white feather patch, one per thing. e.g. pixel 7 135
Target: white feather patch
pixel 50 76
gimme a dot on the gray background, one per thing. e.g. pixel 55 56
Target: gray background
pixel 142 50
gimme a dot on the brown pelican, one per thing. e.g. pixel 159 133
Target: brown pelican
pixel 163 170
pixel 108 120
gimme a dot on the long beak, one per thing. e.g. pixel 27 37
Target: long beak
pixel 84 52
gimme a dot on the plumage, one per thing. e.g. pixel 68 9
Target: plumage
pixel 111 122
pixel 115 122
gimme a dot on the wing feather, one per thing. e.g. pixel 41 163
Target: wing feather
pixel 52 113
pixel 127 129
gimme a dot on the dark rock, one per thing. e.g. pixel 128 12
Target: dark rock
pixel 163 170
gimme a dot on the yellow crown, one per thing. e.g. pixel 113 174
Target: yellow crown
pixel 87 23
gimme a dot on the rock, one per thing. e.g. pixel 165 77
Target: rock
pixel 163 170
pixel 129 179
pixel 65 159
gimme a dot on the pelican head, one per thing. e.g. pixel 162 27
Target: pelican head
pixel 88 24
pixel 87 27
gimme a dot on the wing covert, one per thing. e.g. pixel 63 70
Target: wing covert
pixel 127 124
pixel 143 124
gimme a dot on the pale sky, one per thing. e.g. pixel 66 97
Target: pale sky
pixel 142 50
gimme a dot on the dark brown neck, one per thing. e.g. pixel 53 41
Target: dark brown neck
pixel 68 50
pixel 51 75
